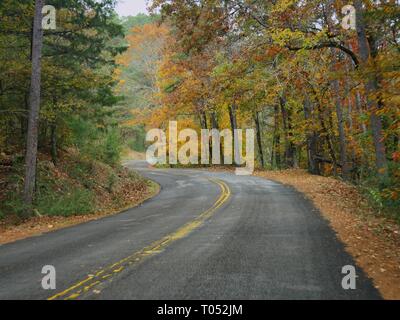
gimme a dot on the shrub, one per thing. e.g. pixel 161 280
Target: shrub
pixel 94 143
pixel 13 205
pixel 112 147
pixel 112 179
pixel 76 202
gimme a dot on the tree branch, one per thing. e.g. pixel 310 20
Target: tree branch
pixel 330 44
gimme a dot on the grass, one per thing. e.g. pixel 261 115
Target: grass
pixel 76 186
pixel 75 202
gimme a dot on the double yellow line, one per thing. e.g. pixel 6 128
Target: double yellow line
pixel 105 274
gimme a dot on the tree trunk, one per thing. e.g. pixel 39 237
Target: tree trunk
pixel 24 120
pixel 203 120
pixel 276 140
pixel 360 111
pixel 327 138
pixel 34 106
pixel 259 138
pixel 338 103
pixel 215 125
pixel 237 152
pixel 341 129
pixel 287 128
pixel 214 120
pixel 367 49
pixel 313 163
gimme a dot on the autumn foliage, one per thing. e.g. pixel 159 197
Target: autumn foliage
pixel 320 97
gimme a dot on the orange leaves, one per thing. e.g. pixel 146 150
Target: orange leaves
pixel 396 156
pixel 147 33
pixel 273 51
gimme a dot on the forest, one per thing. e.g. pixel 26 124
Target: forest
pixel 322 96
pixel 61 128
pixel 83 83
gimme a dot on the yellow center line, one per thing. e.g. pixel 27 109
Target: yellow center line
pixel 156 247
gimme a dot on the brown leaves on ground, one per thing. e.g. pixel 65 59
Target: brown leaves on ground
pixel 11 230
pixel 128 190
pixel 373 240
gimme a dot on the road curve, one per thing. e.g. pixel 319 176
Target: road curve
pixel 205 236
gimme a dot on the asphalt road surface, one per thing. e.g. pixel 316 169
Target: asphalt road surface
pixel 206 235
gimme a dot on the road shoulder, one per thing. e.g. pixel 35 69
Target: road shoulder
pixel 41 225
pixel 373 240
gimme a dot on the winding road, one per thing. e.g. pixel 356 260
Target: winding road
pixel 206 235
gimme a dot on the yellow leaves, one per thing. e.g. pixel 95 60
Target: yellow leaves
pixel 281 6
pixel 283 37
pixel 382 170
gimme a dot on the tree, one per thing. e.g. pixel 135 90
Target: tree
pixel 322 91
pixel 55 75
pixel 368 50
pixel 34 106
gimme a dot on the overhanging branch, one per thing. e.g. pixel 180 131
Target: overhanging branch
pixel 330 44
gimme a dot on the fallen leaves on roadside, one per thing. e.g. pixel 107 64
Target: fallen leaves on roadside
pixel 372 239
pixel 129 191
